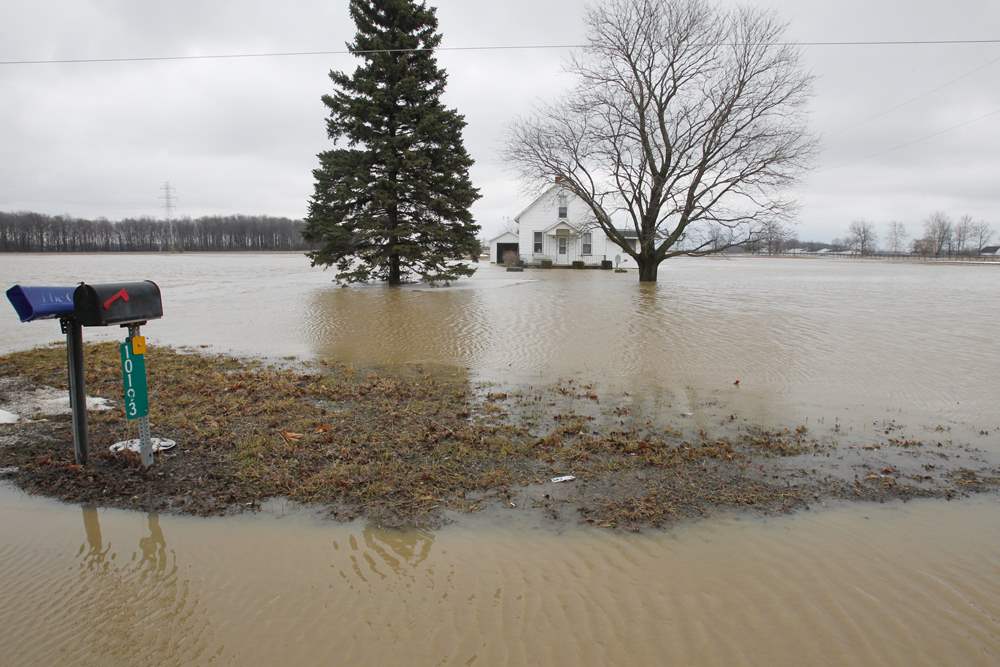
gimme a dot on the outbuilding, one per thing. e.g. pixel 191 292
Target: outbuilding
pixel 505 244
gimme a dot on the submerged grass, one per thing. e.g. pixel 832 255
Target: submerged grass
pixel 397 449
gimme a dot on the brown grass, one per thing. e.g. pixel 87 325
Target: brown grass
pixel 396 449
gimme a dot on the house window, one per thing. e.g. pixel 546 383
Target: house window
pixel 562 245
pixel 632 243
pixel 587 242
pixel 538 243
pixel 562 205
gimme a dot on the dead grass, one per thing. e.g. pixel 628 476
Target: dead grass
pixel 398 450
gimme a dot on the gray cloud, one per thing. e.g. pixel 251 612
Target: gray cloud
pixel 242 135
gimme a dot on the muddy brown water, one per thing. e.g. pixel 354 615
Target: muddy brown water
pixel 839 345
pixel 914 584
pixel 809 339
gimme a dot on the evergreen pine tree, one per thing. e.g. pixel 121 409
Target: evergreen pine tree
pixel 392 197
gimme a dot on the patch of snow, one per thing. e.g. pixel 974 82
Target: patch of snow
pixel 23 399
pixel 8 417
pixel 48 401
pixel 96 403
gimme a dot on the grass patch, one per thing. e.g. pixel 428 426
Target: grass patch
pixel 397 449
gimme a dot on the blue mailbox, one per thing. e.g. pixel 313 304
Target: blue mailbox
pixel 41 303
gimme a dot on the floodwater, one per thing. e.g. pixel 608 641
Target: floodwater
pixel 824 342
pixel 915 584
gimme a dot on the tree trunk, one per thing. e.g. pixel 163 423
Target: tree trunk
pixel 394 277
pixel 647 269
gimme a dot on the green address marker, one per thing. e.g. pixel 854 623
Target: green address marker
pixel 134 382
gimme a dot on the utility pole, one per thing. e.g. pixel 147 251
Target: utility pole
pixel 169 199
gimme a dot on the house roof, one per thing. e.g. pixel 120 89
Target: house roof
pixel 537 199
pixel 501 235
pixel 990 249
pixel 626 232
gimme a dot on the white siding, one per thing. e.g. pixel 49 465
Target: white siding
pixel 543 214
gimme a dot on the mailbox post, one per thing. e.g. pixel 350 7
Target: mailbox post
pixel 77 386
pixel 126 304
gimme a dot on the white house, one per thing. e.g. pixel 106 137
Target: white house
pixel 559 226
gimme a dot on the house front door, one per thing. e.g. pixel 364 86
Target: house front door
pixel 562 243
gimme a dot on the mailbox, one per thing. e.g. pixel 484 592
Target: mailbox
pixel 128 304
pixel 117 303
pixel 40 303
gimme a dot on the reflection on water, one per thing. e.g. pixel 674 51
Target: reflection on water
pixel 153 557
pixel 808 340
pixel 912 584
pixel 118 605
pixel 96 552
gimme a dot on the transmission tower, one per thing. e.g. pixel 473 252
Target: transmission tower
pixel 168 198
pixel 169 204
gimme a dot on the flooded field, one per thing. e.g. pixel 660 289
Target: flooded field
pixel 808 339
pixel 854 347
pixel 902 585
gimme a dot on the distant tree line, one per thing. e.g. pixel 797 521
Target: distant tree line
pixel 942 237
pixel 774 238
pixel 37 232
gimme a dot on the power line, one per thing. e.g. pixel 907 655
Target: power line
pixel 902 104
pixel 918 140
pixel 501 47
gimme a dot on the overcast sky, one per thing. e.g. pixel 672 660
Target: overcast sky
pixel 241 136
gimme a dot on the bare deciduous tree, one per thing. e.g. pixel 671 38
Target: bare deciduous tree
pixel 961 235
pixel 774 236
pixel 685 117
pixel 722 237
pixel 981 235
pixel 896 238
pixel 937 234
pixel 861 237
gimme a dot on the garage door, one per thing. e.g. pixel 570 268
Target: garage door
pixel 504 248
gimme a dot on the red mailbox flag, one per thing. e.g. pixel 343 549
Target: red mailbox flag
pixel 120 294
